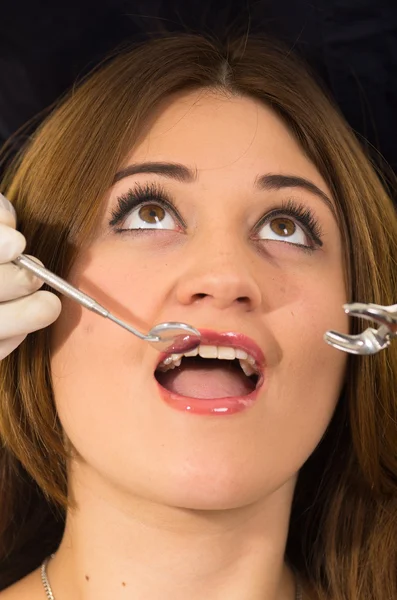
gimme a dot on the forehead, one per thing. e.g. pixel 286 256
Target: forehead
pixel 214 133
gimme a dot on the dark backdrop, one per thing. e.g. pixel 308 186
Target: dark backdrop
pixel 46 45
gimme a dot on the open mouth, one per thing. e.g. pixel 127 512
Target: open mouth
pixel 210 372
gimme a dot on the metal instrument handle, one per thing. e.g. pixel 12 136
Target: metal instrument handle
pixel 60 284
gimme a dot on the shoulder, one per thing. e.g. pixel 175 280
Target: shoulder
pixel 29 587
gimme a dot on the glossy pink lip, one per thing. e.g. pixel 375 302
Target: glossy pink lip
pixel 219 406
pixel 210 406
pixel 228 338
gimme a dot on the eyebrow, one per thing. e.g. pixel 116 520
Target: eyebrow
pixel 182 173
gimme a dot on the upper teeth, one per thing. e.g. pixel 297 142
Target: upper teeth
pixel 247 362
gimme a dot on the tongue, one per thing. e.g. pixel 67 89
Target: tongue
pixel 207 379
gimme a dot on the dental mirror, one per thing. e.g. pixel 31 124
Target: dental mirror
pixel 169 337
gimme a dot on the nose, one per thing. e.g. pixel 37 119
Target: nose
pixel 220 272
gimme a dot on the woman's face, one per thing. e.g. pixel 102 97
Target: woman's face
pixel 228 263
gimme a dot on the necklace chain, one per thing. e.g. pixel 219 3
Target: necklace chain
pixel 44 578
pixel 50 595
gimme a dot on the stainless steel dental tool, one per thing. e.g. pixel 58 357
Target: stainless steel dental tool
pixel 371 340
pixel 166 337
pixel 171 337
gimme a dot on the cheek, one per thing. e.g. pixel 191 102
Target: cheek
pixel 308 378
pixel 92 358
pixel 306 301
pixel 127 289
pixel 87 350
pixel 318 307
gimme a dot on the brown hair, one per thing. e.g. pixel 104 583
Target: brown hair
pixel 343 522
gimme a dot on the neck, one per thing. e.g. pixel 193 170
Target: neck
pixel 128 548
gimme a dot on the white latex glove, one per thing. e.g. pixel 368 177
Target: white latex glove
pixel 23 309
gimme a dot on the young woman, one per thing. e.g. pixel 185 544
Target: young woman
pixel 218 186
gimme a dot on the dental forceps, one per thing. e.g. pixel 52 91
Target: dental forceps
pixel 371 340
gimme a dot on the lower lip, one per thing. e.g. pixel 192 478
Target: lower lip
pixel 210 406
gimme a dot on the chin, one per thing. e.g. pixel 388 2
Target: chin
pixel 212 495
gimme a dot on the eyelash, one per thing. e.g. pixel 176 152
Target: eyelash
pixel 156 194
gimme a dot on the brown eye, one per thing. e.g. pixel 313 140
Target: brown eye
pixel 283 226
pixel 152 213
pixel 150 216
pixel 284 229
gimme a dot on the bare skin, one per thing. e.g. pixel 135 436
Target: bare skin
pixel 171 505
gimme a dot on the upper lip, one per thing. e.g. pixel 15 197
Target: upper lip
pixel 228 338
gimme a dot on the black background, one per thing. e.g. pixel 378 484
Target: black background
pixel 352 44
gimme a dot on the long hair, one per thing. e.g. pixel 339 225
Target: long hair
pixel 344 515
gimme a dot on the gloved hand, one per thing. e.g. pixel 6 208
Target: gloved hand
pixel 23 309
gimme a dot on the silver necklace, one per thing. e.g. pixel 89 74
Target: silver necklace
pixel 50 595
pixel 44 578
